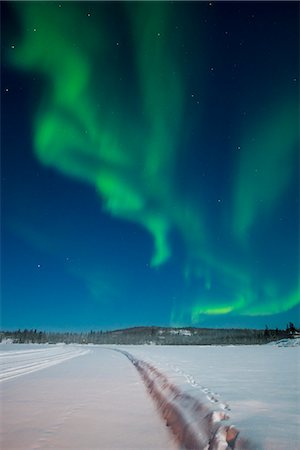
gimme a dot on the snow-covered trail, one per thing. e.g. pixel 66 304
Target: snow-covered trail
pixel 16 363
pixel 95 401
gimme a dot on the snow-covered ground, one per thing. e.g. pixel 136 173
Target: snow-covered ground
pixel 94 397
pixel 27 359
pixel 257 386
pixel 93 401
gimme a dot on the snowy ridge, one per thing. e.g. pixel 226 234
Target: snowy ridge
pixel 295 342
pixel 195 425
pixel 16 363
pixel 181 332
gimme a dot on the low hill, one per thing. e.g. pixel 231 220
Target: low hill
pixel 153 335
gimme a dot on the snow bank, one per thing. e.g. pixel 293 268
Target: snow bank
pixel 294 342
pixel 194 423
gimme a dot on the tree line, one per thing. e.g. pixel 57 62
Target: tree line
pixel 153 335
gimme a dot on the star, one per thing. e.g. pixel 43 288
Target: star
pixel 38 266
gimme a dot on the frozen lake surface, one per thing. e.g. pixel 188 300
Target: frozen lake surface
pixel 93 397
pixel 94 400
pixel 259 386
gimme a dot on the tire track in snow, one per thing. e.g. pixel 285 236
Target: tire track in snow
pixel 194 424
pixel 15 364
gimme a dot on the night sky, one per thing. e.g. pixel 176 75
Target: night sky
pixel 150 167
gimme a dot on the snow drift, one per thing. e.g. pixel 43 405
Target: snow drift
pixel 194 425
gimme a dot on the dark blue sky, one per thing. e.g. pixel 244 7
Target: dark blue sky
pixel 150 164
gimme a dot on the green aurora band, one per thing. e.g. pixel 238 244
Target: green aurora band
pixel 124 140
pixel 266 166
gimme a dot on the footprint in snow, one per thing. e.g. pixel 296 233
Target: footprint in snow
pixel 225 406
pixel 212 399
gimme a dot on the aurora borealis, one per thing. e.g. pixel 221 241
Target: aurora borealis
pixel 150 171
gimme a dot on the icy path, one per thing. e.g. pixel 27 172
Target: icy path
pixel 16 363
pixel 96 401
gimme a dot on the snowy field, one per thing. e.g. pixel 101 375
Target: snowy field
pixel 118 397
pixel 257 386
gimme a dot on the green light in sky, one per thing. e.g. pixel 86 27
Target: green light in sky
pixel 130 156
pixel 265 167
pixel 130 172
